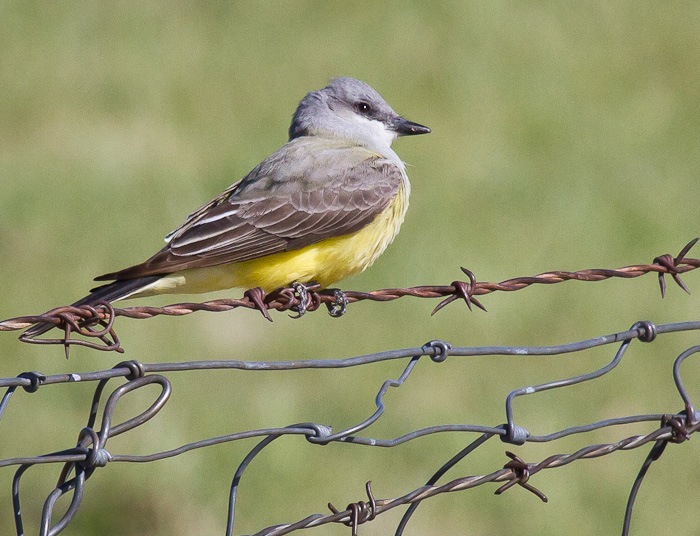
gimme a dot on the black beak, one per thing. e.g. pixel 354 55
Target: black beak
pixel 404 127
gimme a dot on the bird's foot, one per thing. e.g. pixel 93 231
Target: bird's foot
pixel 303 293
pixel 338 307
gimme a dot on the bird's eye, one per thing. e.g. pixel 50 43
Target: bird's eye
pixel 363 108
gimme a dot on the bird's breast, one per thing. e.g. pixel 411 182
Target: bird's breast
pixel 333 259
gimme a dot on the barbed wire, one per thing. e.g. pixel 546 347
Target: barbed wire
pixel 84 320
pixel 90 453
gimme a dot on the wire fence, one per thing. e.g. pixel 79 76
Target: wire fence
pixel 81 462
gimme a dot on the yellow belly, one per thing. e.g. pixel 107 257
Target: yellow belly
pixel 325 262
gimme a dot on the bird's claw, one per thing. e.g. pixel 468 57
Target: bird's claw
pixel 302 291
pixel 339 306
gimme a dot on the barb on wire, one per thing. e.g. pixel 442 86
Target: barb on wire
pixel 521 474
pixel 83 461
pixel 81 320
pixel 673 267
pixel 302 299
pixel 360 512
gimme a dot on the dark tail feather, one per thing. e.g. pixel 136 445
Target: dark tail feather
pixel 111 292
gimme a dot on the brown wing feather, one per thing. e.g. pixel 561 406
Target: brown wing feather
pixel 259 216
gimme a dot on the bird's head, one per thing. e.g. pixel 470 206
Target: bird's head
pixel 349 108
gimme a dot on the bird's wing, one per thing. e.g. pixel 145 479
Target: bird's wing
pixel 291 200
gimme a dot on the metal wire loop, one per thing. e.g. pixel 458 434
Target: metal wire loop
pixel 36 379
pixel 679 432
pixel 648 333
pixel 440 349
pixel 137 370
pixel 318 433
pixel 515 435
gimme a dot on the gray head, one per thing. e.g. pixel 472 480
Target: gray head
pixel 349 108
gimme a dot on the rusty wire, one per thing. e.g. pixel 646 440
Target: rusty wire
pixel 90 453
pixel 83 319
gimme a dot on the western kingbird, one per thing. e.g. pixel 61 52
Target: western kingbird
pixel 321 208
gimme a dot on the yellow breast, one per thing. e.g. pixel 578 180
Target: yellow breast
pixel 324 262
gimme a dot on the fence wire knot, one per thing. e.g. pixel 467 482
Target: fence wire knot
pixel 35 378
pixel 521 472
pixel 360 512
pixel 136 368
pixel 648 333
pixel 319 433
pixel 679 431
pixel 516 435
pixel 442 349
pixel 98 458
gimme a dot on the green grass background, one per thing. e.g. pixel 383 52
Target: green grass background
pixel 565 136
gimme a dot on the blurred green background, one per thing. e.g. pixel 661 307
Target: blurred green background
pixel 565 136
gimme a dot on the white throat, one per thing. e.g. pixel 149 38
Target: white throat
pixel 374 135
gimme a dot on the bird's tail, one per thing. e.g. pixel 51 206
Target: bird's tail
pixel 111 292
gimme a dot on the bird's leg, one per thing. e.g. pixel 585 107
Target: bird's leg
pixel 338 307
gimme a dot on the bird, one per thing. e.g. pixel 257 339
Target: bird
pixel 321 208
